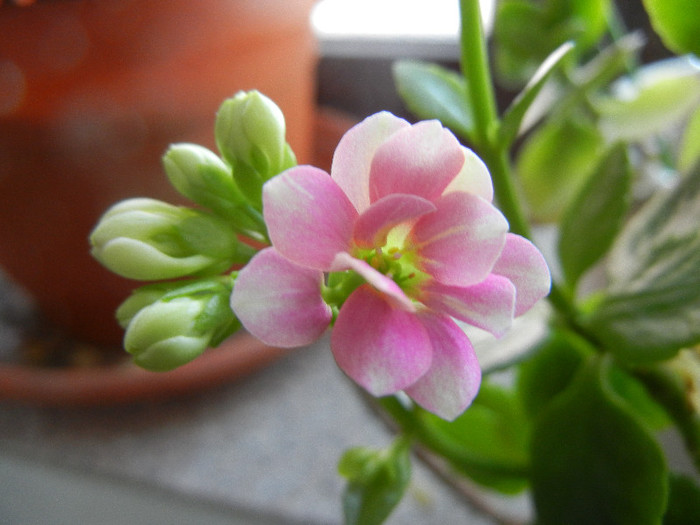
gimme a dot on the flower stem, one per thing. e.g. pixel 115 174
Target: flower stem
pixel 476 71
pixel 482 101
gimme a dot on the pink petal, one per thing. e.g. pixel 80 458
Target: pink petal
pixel 459 243
pixel 474 177
pixel 308 216
pixel 453 380
pixel 394 294
pixel 280 302
pixel 380 347
pixel 373 226
pixel 353 156
pixel 488 305
pixel 525 266
pixel 421 160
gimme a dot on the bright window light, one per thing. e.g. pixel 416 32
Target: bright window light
pixel 390 27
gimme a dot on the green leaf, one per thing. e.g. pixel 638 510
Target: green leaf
pixel 657 98
pixel 590 224
pixel 377 480
pixel 555 161
pixel 584 20
pixel 550 369
pixel 488 442
pixel 516 23
pixel 526 32
pixel 593 461
pixel 684 502
pixel 513 117
pixel 638 400
pixel 674 385
pixel 652 306
pixel 556 362
pixel 677 23
pixel 690 146
pixel 609 63
pixel 433 92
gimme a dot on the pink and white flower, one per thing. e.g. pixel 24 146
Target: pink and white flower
pixel 401 238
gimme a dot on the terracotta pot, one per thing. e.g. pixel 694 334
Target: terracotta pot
pixel 91 95
pixel 127 383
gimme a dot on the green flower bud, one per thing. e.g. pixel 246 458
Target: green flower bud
pixel 377 480
pixel 146 239
pixel 139 299
pixel 200 175
pixel 180 325
pixel 250 134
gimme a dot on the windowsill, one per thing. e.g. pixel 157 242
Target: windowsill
pixel 358 41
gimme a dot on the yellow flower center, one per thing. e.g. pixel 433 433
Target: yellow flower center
pixel 397 260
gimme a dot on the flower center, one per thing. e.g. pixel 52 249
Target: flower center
pixel 398 264
pixel 397 260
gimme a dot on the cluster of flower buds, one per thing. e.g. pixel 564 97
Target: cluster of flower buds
pixel 170 323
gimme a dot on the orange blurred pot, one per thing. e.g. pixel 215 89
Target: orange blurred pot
pixel 91 95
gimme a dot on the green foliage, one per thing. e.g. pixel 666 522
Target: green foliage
pixel 674 385
pixel 432 92
pixel 593 461
pixel 690 148
pixel 488 442
pixel 677 22
pixel 526 32
pixel 654 99
pixel 555 162
pixel 513 116
pixel 684 502
pixel 634 394
pixel 652 306
pixel 549 371
pixel 589 225
pixel 377 480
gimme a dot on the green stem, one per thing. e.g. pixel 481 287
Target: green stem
pixel 475 68
pixel 482 100
pixel 504 190
pixel 412 424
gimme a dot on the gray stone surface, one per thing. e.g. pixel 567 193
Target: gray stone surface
pixel 268 443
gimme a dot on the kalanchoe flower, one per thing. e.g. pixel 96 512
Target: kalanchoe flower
pixel 400 239
pixel 147 239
